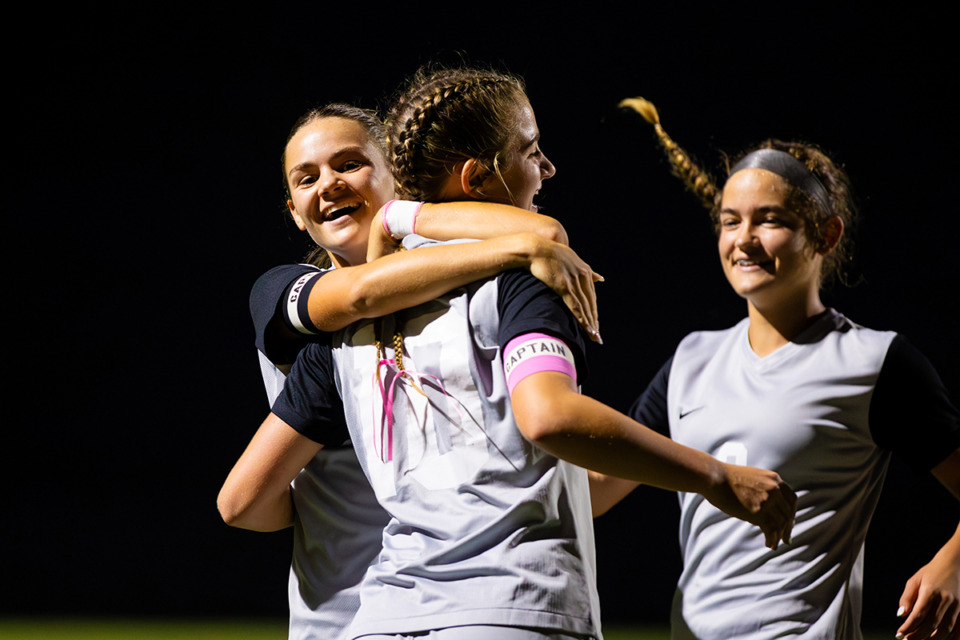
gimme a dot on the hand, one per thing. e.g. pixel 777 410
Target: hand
pixel 560 268
pixel 931 598
pixel 758 496
pixel 380 243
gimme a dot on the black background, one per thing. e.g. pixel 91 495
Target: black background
pixel 143 198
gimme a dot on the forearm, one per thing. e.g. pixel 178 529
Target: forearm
pixel 409 278
pixel 592 435
pixel 481 220
pixel 606 491
pixel 595 436
pixel 256 494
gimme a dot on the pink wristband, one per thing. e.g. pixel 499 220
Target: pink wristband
pixel 400 218
pixel 535 352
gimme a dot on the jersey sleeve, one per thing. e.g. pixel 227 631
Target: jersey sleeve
pixel 310 402
pixel 650 409
pixel 278 306
pixel 526 305
pixel 911 413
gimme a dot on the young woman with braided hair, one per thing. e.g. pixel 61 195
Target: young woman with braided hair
pixel 490 534
pixel 336 179
pixel 799 388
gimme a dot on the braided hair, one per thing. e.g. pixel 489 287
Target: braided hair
pixel 447 116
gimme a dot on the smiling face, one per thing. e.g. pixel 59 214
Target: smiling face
pixel 338 179
pixel 763 246
pixel 526 165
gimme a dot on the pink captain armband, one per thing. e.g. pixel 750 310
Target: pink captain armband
pixel 400 218
pixel 535 352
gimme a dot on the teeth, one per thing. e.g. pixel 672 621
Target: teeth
pixel 336 212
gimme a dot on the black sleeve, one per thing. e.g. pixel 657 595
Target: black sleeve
pixel 310 402
pixel 272 294
pixel 650 409
pixel 527 305
pixel 910 412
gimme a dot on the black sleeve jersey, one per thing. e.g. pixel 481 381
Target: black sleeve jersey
pixel 910 412
pixel 527 305
pixel 650 409
pixel 310 402
pixel 278 306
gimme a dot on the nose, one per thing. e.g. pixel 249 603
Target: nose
pixel 330 181
pixel 745 236
pixel 547 170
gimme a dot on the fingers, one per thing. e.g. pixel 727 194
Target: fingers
pixel 590 305
pixel 779 510
pixel 934 616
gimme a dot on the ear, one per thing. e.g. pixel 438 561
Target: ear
pixel 296 216
pixel 472 177
pixel 832 232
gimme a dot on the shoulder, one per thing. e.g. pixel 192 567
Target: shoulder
pixel 526 305
pixel 279 311
pixel 705 344
pixel 310 402
pixel 911 411
pixel 650 409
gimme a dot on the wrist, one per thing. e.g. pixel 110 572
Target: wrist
pixel 400 218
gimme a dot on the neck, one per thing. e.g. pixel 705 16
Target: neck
pixel 775 325
pixel 348 258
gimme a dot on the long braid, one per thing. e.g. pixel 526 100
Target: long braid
pixel 398 349
pixel 408 148
pixel 447 116
pixel 682 165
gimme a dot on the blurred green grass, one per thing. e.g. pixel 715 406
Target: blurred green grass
pixel 148 629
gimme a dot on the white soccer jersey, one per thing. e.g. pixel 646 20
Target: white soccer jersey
pixel 807 411
pixel 486 529
pixel 339 523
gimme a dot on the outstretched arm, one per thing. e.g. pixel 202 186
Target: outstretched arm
pixel 593 435
pixel 256 494
pixel 931 598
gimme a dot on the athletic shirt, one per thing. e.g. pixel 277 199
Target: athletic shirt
pixel 485 528
pixel 823 411
pixel 339 523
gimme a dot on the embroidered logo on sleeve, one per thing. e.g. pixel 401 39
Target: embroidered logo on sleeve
pixel 535 352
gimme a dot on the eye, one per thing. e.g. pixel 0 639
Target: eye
pixel 729 222
pixel 351 165
pixel 306 180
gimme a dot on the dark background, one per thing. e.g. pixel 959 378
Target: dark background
pixel 143 199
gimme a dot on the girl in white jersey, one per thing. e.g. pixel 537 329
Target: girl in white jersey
pixel 799 388
pixel 336 178
pixel 489 535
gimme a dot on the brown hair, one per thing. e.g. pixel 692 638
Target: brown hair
pixel 841 204
pixel 445 116
pixel 371 123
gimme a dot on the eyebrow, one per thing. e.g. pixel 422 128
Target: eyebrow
pixel 765 209
pixel 534 140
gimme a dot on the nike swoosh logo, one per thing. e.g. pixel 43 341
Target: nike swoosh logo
pixel 684 414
